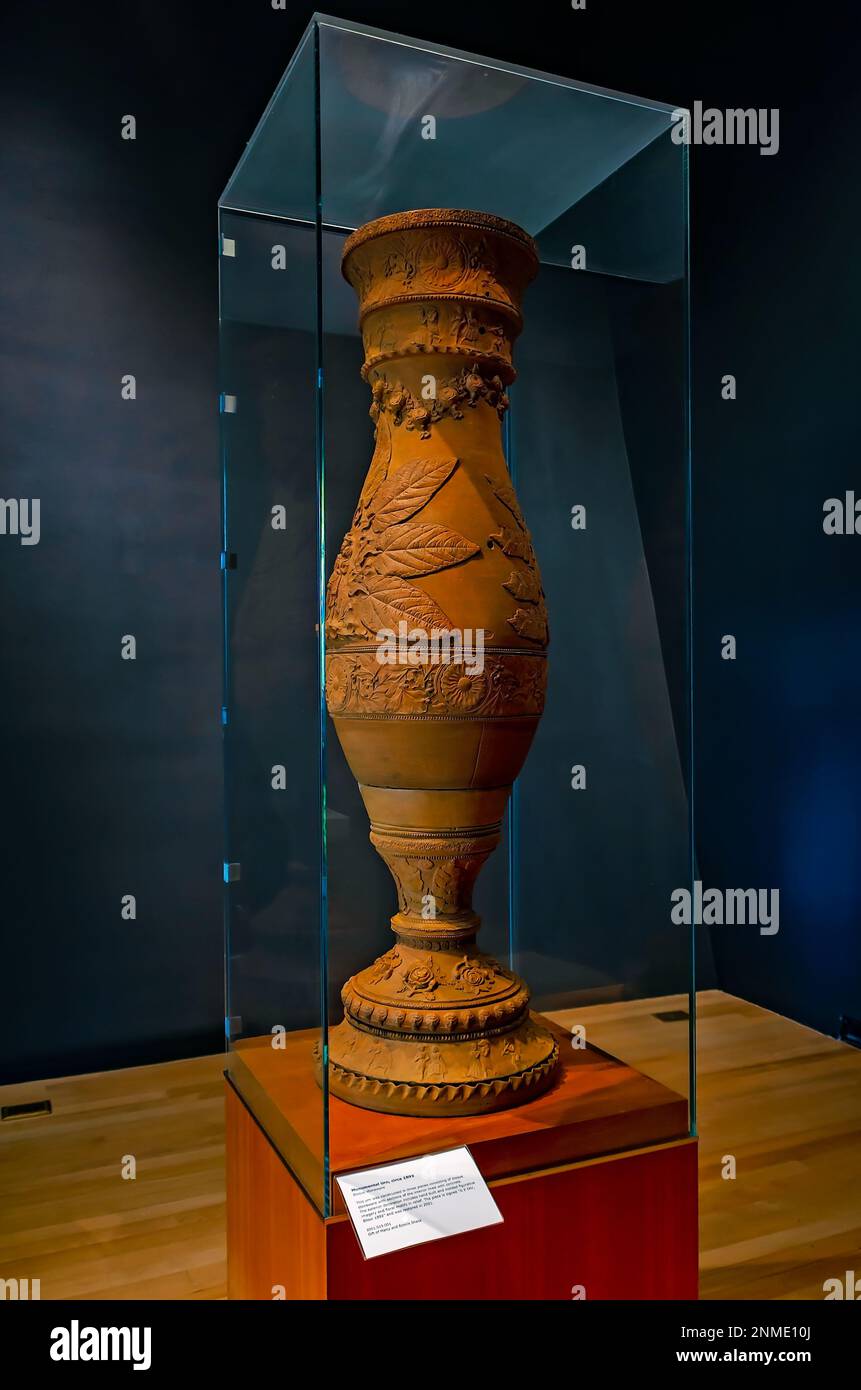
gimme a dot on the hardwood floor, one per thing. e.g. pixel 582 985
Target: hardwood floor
pixel 784 1101
pixel 70 1219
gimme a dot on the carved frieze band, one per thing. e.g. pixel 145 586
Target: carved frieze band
pixel 466 329
pixel 510 684
pixel 442 1094
pixel 457 259
pixel 452 993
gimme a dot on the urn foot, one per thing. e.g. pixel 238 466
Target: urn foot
pixel 433 1077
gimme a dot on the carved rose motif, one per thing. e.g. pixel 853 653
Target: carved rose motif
pixel 419 979
pixel 472 977
pixel 397 399
pixel 447 398
pixel 467 388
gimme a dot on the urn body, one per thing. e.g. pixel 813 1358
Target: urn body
pixel 436 662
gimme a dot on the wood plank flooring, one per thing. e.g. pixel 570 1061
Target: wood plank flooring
pixel 70 1219
pixel 784 1101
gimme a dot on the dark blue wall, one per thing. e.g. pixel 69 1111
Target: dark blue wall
pixel 111 768
pixel 779 755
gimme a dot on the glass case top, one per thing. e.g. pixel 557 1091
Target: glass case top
pixel 405 124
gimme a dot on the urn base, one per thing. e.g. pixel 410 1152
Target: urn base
pixel 429 1077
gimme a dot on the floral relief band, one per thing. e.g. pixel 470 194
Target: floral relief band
pixel 357 685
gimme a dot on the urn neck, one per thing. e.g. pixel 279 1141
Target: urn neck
pixel 440 283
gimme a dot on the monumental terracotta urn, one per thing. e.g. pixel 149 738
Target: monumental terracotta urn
pixel 436 662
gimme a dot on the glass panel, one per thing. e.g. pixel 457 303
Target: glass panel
pixel 275 900
pixel 276 174
pixel 525 147
pixel 598 418
pixel 602 362
pixel 577 895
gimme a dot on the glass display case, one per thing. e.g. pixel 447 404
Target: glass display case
pixel 575 896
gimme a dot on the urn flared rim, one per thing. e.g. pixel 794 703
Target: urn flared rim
pixel 420 218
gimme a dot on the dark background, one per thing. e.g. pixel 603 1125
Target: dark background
pixel 112 781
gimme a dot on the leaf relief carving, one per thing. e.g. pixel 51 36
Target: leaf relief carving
pixel 530 623
pixel 385 549
pixel 379 465
pixel 515 544
pixel 417 548
pixel 502 489
pixel 410 489
pixel 525 587
pixel 388 600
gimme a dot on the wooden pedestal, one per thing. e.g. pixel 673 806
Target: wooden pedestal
pixel 620 1226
